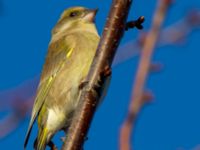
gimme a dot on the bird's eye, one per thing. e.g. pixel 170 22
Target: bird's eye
pixel 73 14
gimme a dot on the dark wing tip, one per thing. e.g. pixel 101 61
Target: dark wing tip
pixel 27 136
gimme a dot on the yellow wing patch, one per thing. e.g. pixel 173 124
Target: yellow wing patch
pixel 69 53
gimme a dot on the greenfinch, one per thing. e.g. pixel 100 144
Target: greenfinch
pixel 70 53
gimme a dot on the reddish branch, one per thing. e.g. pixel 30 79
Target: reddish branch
pixel 139 97
pixel 98 74
pixel 19 113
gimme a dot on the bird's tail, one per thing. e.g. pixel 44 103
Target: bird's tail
pixel 41 140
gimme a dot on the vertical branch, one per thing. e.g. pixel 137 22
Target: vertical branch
pixel 139 97
pixel 98 74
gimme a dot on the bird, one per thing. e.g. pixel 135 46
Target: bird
pixel 71 50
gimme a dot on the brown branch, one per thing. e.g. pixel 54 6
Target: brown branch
pixel 92 91
pixel 139 97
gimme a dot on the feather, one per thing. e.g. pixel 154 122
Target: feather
pixel 41 139
pixel 55 60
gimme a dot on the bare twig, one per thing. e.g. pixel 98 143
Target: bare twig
pixel 10 122
pixel 180 30
pixel 98 74
pixel 139 97
pixel 170 35
pixel 18 102
pixel 136 23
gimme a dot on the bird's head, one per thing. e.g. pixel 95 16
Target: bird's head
pixel 78 14
pixel 75 17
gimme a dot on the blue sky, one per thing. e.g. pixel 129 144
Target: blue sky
pixel 170 122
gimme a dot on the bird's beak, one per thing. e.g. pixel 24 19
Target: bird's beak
pixel 90 15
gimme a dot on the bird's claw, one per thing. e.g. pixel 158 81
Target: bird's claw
pixel 52 146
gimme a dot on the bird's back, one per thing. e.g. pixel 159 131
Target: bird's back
pixel 65 88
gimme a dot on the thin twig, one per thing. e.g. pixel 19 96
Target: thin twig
pixel 139 97
pixel 98 75
pixel 170 35
pixel 136 23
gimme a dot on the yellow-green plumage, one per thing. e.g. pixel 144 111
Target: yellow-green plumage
pixel 70 54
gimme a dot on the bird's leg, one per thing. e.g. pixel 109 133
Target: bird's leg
pixel 105 73
pixel 82 85
pixel 52 146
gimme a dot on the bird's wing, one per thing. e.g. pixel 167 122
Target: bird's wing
pixel 58 53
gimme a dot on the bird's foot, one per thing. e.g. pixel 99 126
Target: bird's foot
pixel 83 84
pixel 52 146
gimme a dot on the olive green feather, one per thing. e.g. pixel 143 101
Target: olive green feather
pixel 50 69
pixel 70 54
